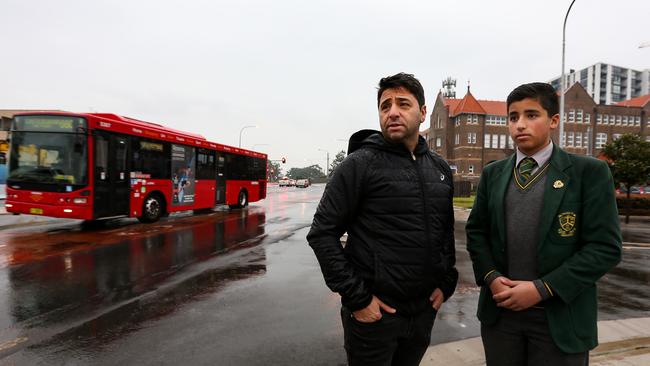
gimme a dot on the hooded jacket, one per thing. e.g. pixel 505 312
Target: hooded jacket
pixel 397 209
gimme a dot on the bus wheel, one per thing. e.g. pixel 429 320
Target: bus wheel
pixel 242 201
pixel 151 209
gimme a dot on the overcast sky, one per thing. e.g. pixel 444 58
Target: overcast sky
pixel 305 72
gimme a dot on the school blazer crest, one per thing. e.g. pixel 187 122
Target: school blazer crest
pixel 579 241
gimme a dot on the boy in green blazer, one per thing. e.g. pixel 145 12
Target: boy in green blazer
pixel 544 228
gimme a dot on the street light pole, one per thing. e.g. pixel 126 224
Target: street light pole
pixel 327 167
pixel 562 81
pixel 242 130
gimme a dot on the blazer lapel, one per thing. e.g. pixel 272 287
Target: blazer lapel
pixel 557 182
pixel 501 181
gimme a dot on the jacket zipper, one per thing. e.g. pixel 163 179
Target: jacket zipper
pixel 427 229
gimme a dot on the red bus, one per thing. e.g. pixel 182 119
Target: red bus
pixel 97 165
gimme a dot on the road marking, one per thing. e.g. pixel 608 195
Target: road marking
pixel 13 343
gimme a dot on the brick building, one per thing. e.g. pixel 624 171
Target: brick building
pixel 471 133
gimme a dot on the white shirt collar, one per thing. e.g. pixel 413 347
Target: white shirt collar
pixel 541 157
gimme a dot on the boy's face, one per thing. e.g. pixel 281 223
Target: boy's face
pixel 530 125
pixel 400 115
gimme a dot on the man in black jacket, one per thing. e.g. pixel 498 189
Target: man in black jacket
pixel 394 198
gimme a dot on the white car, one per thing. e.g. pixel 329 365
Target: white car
pixel 284 182
pixel 302 183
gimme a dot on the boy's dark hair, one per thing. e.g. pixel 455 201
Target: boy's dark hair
pixel 402 80
pixel 542 92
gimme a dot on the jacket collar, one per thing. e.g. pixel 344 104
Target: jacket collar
pixel 374 139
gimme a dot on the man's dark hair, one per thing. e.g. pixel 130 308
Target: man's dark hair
pixel 402 80
pixel 542 92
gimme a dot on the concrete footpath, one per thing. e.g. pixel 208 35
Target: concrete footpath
pixel 622 342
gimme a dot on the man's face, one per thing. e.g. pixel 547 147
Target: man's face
pixel 400 115
pixel 530 125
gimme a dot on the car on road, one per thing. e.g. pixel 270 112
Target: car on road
pixel 303 183
pixel 284 182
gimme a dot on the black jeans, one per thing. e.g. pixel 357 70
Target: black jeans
pixel 393 340
pixel 522 338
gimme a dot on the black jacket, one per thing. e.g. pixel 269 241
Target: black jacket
pixel 398 212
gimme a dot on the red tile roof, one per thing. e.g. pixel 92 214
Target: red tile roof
pixel 635 102
pixel 489 107
pixel 494 107
pixel 468 104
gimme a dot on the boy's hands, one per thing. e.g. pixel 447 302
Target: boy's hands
pixel 517 296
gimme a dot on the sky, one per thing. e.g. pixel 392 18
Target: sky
pixel 304 72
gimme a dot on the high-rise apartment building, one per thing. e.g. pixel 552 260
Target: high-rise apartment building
pixel 608 84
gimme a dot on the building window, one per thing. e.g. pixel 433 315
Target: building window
pixel 471 169
pixel 579 116
pixel 469 118
pixel 616 136
pixel 587 117
pixel 599 119
pixel 585 140
pixel 471 138
pixel 624 120
pixel 502 141
pixel 606 120
pixel 495 120
pixel 457 140
pixel 457 121
pixel 618 120
pixel 438 142
pixel 495 141
pixel 486 141
pixel 637 121
pixel 572 115
pixel 601 140
pixel 569 142
pixel 578 139
pixel 475 119
pixel 438 122
pixel 511 144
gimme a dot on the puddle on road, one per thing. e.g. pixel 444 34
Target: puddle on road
pixel 53 277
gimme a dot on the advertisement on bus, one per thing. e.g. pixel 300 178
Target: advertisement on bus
pixel 183 175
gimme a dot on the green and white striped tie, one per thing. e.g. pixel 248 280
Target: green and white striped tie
pixel 526 167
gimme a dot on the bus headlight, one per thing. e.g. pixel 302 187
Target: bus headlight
pixel 80 200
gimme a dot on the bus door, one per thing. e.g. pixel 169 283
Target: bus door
pixel 220 196
pixel 111 173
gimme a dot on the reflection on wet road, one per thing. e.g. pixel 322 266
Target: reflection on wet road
pixel 227 288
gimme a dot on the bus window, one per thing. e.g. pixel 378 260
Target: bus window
pixel 151 157
pixel 205 164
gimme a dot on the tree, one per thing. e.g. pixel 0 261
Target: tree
pixel 274 171
pixel 629 160
pixel 311 172
pixel 338 159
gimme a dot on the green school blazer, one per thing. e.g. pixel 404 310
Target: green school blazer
pixel 579 241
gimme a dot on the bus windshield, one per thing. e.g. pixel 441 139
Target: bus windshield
pixel 46 157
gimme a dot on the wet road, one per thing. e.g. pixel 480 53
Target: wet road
pixel 225 288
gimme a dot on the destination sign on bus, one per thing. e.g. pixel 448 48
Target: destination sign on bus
pixel 48 123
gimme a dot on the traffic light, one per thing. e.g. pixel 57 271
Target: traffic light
pixel 284 160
